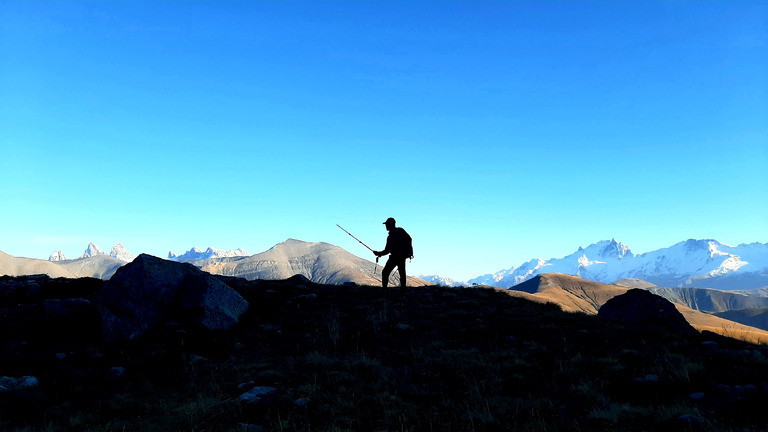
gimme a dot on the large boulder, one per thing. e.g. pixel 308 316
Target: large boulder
pixel 151 291
pixel 639 307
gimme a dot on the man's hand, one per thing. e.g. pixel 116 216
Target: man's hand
pixel 378 253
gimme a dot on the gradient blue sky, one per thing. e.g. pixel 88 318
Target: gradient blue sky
pixel 494 132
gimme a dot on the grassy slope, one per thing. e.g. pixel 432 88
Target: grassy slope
pixel 575 294
pixel 437 359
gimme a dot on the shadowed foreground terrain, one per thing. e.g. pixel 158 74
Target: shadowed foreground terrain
pixel 309 357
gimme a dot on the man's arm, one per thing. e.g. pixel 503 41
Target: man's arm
pixel 386 248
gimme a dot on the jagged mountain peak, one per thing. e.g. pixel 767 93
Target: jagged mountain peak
pixel 197 254
pixel 92 250
pixel 615 249
pixel 121 253
pixel 57 255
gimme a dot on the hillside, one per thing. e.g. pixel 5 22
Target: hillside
pixel 711 300
pixel 574 294
pixel 322 357
pixel 13 266
pixel 319 262
pixel 755 317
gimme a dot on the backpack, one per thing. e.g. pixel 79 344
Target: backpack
pixel 403 244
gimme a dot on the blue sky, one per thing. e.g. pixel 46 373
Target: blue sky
pixel 494 132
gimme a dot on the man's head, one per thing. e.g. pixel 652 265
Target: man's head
pixel 390 224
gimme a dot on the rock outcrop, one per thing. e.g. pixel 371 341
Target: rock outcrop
pixel 150 291
pixel 641 308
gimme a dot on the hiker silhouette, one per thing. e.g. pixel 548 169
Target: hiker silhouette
pixel 399 247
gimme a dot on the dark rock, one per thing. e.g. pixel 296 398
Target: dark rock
pixel 68 306
pixel 299 279
pixel 150 291
pixel 255 394
pixel 19 289
pixel 117 372
pixel 10 384
pixel 689 420
pixel 301 402
pixel 307 297
pixel 641 308
pixel 711 345
pixel 246 386
pixel 195 359
pixel 651 378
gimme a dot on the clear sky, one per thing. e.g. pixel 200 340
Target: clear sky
pixel 494 132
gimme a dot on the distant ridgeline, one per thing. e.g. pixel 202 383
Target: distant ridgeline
pixel 692 263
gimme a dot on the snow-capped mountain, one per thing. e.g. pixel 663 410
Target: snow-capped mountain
pixel 440 280
pixel 57 255
pixel 121 253
pixel 197 254
pixel 700 263
pixel 92 250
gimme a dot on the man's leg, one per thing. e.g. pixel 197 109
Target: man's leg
pixel 388 267
pixel 403 279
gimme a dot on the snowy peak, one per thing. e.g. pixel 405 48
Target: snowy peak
pixel 700 263
pixel 616 250
pixel 121 253
pixel 197 254
pixel 92 250
pixel 57 255
pixel 439 280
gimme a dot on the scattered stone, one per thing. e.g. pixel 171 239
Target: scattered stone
pixel 61 307
pixel 245 427
pixel 11 385
pixel 651 379
pixel 712 345
pixel 689 420
pixel 299 278
pixel 697 396
pixel 308 297
pixel 270 327
pixel 255 394
pixel 195 359
pixel 404 327
pixel 301 402
pixel 729 394
pixel 117 372
pixel 61 356
pixel 246 386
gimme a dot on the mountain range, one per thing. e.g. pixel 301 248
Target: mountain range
pixel 118 252
pixel 609 264
pixel 691 263
pixel 197 254
pixel 318 262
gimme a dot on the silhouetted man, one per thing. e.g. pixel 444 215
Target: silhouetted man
pixel 399 247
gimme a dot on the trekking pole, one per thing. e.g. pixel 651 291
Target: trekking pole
pixel 350 234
